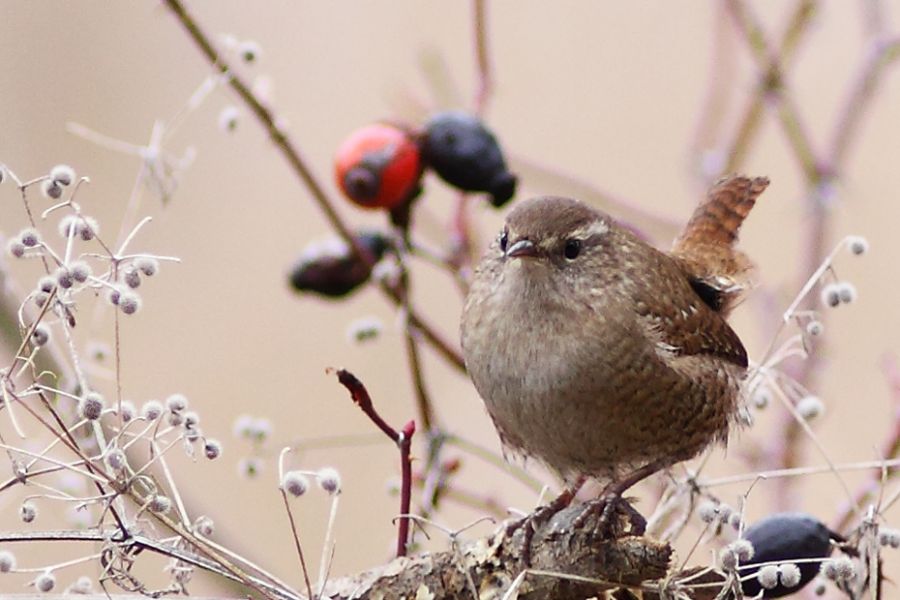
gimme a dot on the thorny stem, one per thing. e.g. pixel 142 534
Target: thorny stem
pixel 298 165
pixel 402 438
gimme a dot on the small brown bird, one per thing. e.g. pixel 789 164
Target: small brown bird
pixel 600 355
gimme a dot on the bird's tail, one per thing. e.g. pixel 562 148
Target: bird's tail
pixel 706 248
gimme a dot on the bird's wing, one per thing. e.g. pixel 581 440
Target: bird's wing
pixel 680 323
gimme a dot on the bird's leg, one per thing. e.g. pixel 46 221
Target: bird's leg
pixel 610 501
pixel 541 515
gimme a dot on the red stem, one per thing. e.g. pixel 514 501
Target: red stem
pixel 402 438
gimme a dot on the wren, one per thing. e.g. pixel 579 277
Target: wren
pixel 600 355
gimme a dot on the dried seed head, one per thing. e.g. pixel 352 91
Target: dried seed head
pixel 889 537
pixel 152 409
pixel 228 118
pixel 738 551
pixel 132 277
pixel 191 420
pixel 789 574
pixel 7 561
pixel 146 265
pixel 174 419
pixel 90 406
pixel 810 407
pixel 708 511
pixel 89 228
pixel 204 526
pixel 192 434
pixel 46 284
pixel 80 271
pixel 212 449
pixel 768 576
pixel 51 189
pixel 41 335
pixel 62 174
pixel 735 520
pixel 243 426
pixel 830 295
pixel 40 299
pixel 116 459
pixel 846 291
pixel 815 328
pixel 64 278
pixel 329 480
pixel 127 410
pixel 159 504
pixel 839 569
pixel 28 511
pixel 249 51
pixel 295 483
pixel 15 248
pixel 129 302
pixel 114 295
pixel 45 582
pixel 858 245
pixel 176 402
pixel 29 237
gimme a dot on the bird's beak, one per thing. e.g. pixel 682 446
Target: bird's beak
pixel 522 249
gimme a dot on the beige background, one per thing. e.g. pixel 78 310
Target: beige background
pixel 610 92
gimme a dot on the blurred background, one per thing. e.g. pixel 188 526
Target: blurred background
pixel 641 100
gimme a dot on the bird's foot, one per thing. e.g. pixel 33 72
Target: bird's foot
pixel 616 517
pixel 535 520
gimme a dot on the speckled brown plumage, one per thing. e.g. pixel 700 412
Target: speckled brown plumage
pixel 614 360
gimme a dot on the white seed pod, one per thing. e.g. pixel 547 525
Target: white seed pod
pixel 132 277
pixel 708 511
pixel 7 561
pixel 858 245
pixel 51 189
pixel 810 407
pixel 815 328
pixel 767 576
pixel 41 335
pixel 64 278
pixel 29 237
pixel 129 302
pixel 846 291
pixel 62 174
pixel 159 504
pixel 889 537
pixel 176 402
pixel 80 271
pixel 45 582
pixel 15 248
pixel 204 526
pixel 128 411
pixel 28 512
pixel 117 460
pixel 329 480
pixel 152 409
pixel 789 573
pixel 830 295
pixel 212 449
pixel 46 284
pixel 147 265
pixel 90 406
pixel 295 483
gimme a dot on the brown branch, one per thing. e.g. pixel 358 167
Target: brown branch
pixel 402 438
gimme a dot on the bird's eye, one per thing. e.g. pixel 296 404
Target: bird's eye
pixel 572 249
pixel 504 239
